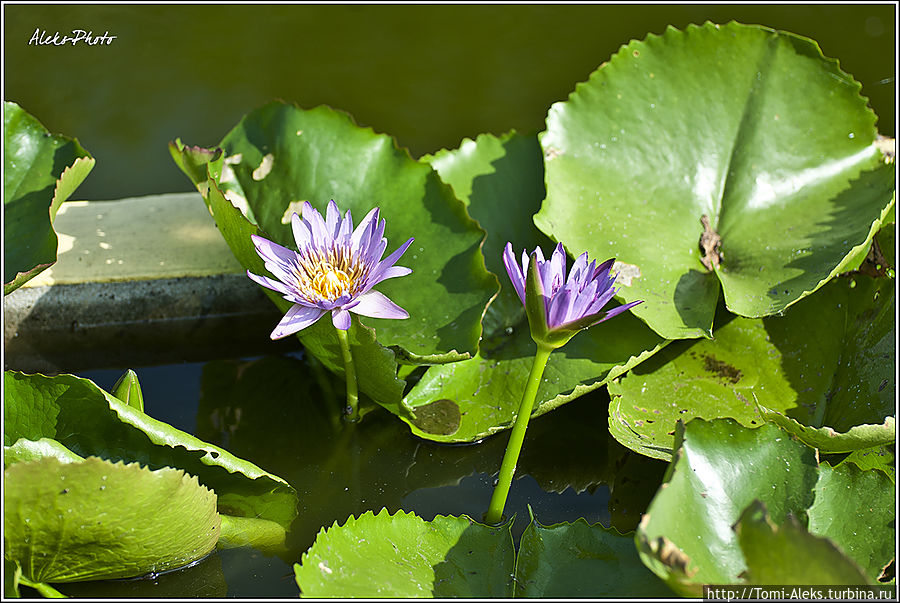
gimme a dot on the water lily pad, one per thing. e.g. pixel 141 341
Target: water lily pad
pixel 751 127
pixel 402 555
pixel 40 171
pixel 582 560
pixel 89 422
pixel 280 155
pixel 28 450
pixel 498 178
pixel 789 554
pixel 827 440
pixel 880 457
pixel 721 468
pixel 66 522
pixel 829 362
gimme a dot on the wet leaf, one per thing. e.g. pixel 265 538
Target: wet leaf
pixel 826 369
pixel 788 554
pixel 40 171
pixel 499 180
pixel 66 522
pixel 581 560
pixel 89 422
pixel 751 127
pixel 280 155
pixel 402 555
pixel 721 468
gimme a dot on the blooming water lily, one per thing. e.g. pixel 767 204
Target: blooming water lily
pixel 558 307
pixel 333 270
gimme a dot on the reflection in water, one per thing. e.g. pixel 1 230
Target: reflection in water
pixel 282 413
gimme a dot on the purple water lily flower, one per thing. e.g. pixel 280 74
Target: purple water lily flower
pixel 560 306
pixel 333 269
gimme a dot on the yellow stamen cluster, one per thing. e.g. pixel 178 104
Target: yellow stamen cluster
pixel 327 276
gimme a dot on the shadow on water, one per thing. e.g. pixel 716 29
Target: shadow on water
pixel 282 413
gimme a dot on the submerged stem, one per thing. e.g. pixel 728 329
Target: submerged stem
pixel 351 411
pixel 517 437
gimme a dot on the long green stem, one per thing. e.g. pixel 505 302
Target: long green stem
pixel 517 437
pixel 351 412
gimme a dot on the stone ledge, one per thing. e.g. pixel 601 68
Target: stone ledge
pixel 139 282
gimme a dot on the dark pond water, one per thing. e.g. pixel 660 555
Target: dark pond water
pixel 428 74
pixel 279 413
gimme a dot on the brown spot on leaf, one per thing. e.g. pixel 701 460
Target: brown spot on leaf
pixel 672 556
pixel 887 146
pixel 722 370
pixel 887 572
pixel 709 245
pixel 440 417
pixel 875 264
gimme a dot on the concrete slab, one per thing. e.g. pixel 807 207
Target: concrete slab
pixel 157 236
pixel 139 282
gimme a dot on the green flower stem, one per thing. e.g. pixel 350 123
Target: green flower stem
pixel 517 437
pixel 47 591
pixel 351 412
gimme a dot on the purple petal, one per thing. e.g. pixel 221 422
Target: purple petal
pixel 560 307
pixel 516 276
pixel 618 310
pixel 364 230
pixel 578 271
pixel 378 274
pixel 332 219
pixel 346 229
pixel 316 225
pixel 340 318
pixel 296 319
pixel 377 305
pixel 391 272
pixel 583 301
pixel 270 284
pixel 302 235
pixel 601 300
pixel 557 268
pixel 277 259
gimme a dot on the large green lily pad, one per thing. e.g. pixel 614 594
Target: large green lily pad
pixel 751 127
pixel 402 555
pixel 40 171
pixel 720 469
pixel 498 179
pixel 280 155
pixel 66 522
pixel 825 370
pixel 87 421
pixel 582 560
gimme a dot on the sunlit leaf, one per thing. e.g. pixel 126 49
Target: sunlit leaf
pixel 90 422
pixel 402 555
pixel 751 127
pixel 499 179
pixel 827 368
pixel 721 468
pixel 65 522
pixel 40 171
pixel 280 155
